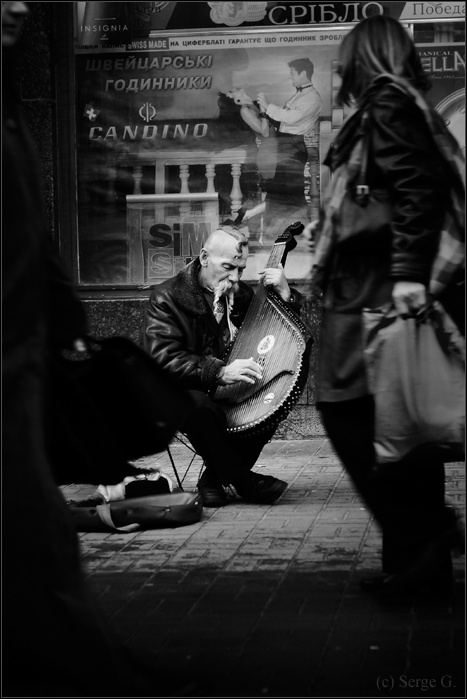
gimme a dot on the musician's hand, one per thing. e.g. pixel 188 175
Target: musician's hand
pixel 245 370
pixel 274 277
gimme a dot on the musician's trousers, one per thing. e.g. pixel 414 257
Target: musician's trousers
pixel 228 456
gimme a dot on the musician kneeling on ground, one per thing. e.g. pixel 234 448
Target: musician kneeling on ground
pixel 190 320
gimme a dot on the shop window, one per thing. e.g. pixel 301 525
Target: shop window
pixel 152 121
pixel 441 47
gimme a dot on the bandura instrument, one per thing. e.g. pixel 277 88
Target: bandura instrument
pixel 274 337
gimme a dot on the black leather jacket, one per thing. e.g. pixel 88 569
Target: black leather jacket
pixel 404 160
pixel 181 332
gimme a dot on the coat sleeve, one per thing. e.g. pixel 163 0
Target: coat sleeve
pixel 171 339
pixel 296 301
pixel 403 150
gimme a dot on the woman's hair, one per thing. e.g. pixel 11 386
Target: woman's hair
pixel 226 103
pixel 229 113
pixel 377 45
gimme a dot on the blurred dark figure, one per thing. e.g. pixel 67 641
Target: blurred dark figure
pixel 55 642
pixel 413 157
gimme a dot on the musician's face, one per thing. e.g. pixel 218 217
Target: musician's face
pixel 223 265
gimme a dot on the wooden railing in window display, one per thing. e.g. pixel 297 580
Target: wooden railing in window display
pixel 184 159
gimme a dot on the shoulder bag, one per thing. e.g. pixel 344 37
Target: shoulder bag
pixel 363 211
pixel 174 509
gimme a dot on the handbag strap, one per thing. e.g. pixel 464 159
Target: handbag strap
pixel 105 514
pixel 362 190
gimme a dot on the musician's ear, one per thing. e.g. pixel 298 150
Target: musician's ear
pixel 203 257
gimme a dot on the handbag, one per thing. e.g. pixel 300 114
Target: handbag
pixel 112 406
pixel 174 509
pixel 363 211
pixel 416 374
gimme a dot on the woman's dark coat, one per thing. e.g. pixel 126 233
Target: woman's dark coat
pixel 404 160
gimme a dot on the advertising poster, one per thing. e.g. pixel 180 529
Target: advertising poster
pixel 160 121
pixel 445 66
pixel 106 25
pixel 154 118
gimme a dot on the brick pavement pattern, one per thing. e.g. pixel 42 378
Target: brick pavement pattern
pixel 258 601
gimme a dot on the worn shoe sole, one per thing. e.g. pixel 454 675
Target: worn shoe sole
pixel 270 495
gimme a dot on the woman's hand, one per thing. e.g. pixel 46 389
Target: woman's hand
pixel 309 233
pixel 409 298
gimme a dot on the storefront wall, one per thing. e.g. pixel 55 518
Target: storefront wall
pixel 143 154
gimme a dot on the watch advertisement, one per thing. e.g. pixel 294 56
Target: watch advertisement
pixel 181 119
pixel 181 107
pixel 445 66
pixel 109 25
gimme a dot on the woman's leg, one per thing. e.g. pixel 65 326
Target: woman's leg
pixel 406 498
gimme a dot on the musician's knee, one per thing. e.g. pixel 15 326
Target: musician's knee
pixel 205 413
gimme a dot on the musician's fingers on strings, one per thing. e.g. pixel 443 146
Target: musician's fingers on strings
pixel 251 372
pixel 254 369
pixel 245 370
pixel 247 378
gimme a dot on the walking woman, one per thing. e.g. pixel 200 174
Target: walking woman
pixel 412 157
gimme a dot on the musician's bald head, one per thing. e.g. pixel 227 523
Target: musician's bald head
pixel 224 235
pixel 223 258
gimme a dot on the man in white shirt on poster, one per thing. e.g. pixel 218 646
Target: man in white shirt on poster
pixel 301 111
pixel 297 119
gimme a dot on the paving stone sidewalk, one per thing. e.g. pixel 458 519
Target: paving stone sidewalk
pixel 258 601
